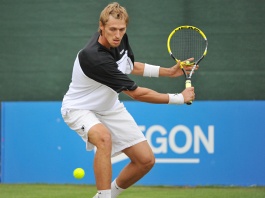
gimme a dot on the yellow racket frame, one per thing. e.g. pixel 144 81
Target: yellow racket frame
pixel 186 27
pixel 184 63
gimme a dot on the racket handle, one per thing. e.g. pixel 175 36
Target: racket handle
pixel 188 84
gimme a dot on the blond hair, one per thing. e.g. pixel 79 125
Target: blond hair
pixel 115 10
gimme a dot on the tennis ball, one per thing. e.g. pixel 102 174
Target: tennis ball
pixel 187 62
pixel 79 173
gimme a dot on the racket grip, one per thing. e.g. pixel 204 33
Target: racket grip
pixel 188 84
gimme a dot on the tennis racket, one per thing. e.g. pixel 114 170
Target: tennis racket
pixel 185 42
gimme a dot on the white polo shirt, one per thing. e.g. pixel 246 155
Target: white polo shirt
pixel 99 75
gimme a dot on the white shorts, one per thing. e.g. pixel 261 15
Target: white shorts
pixel 124 130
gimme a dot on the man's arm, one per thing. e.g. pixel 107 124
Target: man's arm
pixel 148 95
pixel 153 71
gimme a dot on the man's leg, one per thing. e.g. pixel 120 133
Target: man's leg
pixel 142 160
pixel 100 136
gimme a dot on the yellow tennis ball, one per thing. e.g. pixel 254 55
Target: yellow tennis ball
pixel 79 173
pixel 187 62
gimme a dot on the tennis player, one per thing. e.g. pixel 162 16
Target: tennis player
pixel 91 106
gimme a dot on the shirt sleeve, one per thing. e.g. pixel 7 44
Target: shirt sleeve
pixel 106 71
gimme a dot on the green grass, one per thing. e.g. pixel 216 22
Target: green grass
pixel 85 191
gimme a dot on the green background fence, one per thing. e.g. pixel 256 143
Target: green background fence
pixel 40 40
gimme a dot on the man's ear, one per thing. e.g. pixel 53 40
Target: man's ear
pixel 101 26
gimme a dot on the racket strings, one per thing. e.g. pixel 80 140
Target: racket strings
pixel 187 43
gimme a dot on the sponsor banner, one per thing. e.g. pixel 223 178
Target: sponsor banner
pixel 207 143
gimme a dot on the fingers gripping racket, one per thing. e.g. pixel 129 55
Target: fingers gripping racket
pixel 186 42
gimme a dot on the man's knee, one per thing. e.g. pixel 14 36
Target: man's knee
pixel 147 162
pixel 104 141
pixel 100 136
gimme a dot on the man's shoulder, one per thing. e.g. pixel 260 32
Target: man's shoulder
pixel 93 51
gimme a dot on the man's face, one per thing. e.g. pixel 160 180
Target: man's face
pixel 113 32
